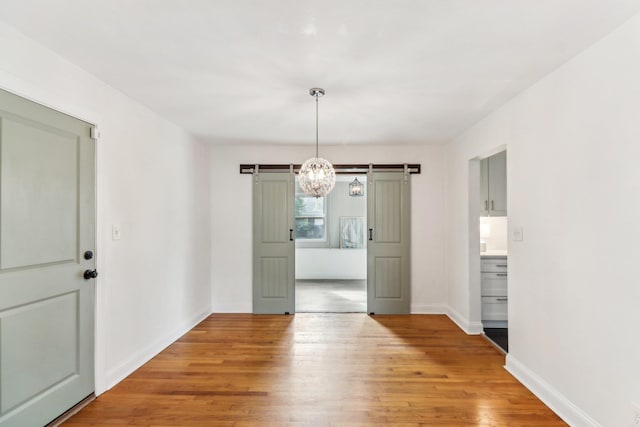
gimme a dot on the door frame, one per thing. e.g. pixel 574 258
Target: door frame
pixel 57 102
pixel 333 221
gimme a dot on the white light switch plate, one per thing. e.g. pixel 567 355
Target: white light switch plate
pixel 517 233
pixel 115 232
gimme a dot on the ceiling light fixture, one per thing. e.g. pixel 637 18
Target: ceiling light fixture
pixel 317 176
pixel 356 188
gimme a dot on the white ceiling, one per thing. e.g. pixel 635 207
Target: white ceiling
pixel 395 71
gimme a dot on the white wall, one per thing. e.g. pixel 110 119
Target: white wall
pixel 232 216
pixel 340 204
pixel 574 185
pixel 497 239
pixel 152 181
pixel 331 263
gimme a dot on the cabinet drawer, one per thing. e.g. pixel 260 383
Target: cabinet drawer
pixel 493 284
pixel 494 308
pixel 497 265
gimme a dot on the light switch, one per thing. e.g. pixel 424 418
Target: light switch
pixel 115 232
pixel 517 233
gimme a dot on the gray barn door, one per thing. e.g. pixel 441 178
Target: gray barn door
pixel 388 248
pixel 47 193
pixel 273 243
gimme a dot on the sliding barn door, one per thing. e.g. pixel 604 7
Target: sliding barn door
pixel 388 248
pixel 47 227
pixel 273 243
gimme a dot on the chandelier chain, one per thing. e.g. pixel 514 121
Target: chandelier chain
pixel 316 125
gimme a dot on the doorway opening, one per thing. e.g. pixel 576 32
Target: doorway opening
pixel 493 249
pixel 331 249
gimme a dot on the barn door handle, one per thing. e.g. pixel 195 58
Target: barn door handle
pixel 90 274
pixel 371 234
pixel 291 234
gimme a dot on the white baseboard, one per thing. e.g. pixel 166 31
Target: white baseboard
pixel 470 328
pixel 429 309
pixel 120 372
pixel 551 397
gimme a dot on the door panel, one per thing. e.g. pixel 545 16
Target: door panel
pixel 388 249
pixel 274 213
pixel 273 245
pixel 274 277
pixel 30 326
pixel 39 195
pixel 47 219
pixel 388 207
pixel 388 274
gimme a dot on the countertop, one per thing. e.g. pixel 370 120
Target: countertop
pixel 492 253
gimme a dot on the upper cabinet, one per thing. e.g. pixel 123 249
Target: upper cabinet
pixel 493 185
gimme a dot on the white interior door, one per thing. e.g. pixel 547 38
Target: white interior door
pixel 47 225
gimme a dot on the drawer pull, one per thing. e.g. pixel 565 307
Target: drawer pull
pixel 501 265
pixel 501 274
pixel 502 299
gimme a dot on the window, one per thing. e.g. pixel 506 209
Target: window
pixel 311 215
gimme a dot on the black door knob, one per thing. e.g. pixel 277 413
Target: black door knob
pixel 90 274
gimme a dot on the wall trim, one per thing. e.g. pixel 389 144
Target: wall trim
pixel 415 309
pixel 551 397
pixel 123 370
pixel 470 328
pixel 428 309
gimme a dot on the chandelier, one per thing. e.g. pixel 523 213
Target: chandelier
pixel 316 176
pixel 356 188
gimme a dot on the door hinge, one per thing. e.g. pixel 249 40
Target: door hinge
pixel 93 133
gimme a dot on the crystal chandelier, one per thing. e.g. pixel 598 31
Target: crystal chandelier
pixel 316 176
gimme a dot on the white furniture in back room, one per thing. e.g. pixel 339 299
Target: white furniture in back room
pixel 494 291
pixel 493 185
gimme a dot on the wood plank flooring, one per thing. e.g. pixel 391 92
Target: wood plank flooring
pixel 321 370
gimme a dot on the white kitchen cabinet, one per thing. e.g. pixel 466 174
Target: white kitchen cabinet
pixel 493 185
pixel 494 291
pixel 494 312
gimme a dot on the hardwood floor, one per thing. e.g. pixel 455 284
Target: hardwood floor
pixel 321 370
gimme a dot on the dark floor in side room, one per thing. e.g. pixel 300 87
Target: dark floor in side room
pixel 499 336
